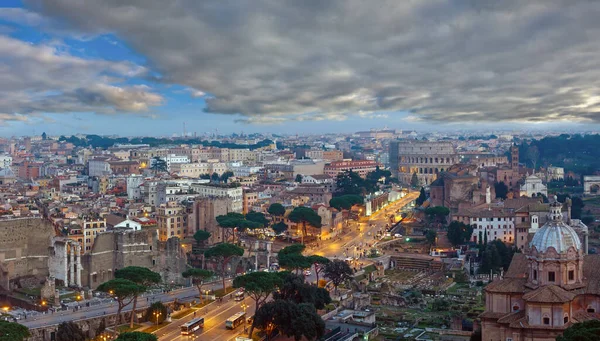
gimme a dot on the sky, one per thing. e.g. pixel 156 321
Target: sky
pixel 149 67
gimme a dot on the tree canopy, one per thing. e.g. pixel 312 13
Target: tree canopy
pixel 201 236
pixel 124 290
pixel 459 233
pixel 345 202
pixel 496 256
pixel 141 276
pixel 257 217
pixel 583 331
pixel 198 276
pixel 501 190
pixel 414 181
pixel 280 227
pixel 13 331
pixel 294 288
pixel 305 215
pixel 291 319
pixel 157 164
pixel 276 209
pixel 422 197
pixel 156 313
pixel 338 271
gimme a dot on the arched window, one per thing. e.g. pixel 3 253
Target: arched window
pixel 546 320
pixel 516 307
pixel 590 309
pixel 566 319
pixel 535 275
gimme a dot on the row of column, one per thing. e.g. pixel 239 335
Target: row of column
pixel 74 278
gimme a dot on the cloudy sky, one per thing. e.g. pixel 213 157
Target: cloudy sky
pixel 144 67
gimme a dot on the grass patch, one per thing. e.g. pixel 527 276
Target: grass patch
pixel 181 313
pixel 221 292
pixel 125 328
pixel 155 327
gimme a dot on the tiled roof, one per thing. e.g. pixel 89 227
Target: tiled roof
pixel 518 267
pixel 507 285
pixel 549 294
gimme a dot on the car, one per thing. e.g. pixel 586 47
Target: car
pixel 398 235
pixel 307 273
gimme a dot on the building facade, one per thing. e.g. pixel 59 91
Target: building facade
pixel 547 288
pixel 362 167
pixel 424 158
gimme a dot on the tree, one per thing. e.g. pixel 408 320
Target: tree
pixel 459 233
pixel 224 253
pixel 198 277
pixel 124 291
pixel 257 217
pixel 158 164
pixel 305 215
pixel 437 213
pixel 294 248
pixel 422 197
pixel 583 331
pixel 236 221
pixel 276 209
pixel 156 313
pixel 431 236
pixel 297 320
pixel 225 176
pixel 44 136
pixel 298 178
pixel 345 202
pixel 13 331
pixel 293 261
pixel 215 177
pixel 338 271
pixel 69 331
pixel 201 237
pixel 501 190
pixel 414 181
pixel 295 289
pixel 350 182
pixel 258 285
pixel 141 276
pixel 533 155
pixel 280 227
pixel 319 262
pixel 136 336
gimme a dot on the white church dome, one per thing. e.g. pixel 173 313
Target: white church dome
pixel 555 233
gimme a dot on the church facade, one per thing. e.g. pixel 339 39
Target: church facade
pixel 547 288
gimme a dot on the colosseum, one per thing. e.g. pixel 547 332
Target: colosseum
pixel 425 158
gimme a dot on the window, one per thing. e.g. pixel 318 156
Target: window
pixel 515 307
pixel 535 275
pixel 571 275
pixel 551 276
pixel 566 319
pixel 546 320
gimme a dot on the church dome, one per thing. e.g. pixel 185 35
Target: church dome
pixel 555 233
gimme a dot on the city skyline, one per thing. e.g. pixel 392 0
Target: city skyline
pixel 296 68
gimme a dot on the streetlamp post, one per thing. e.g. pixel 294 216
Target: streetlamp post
pixel 244 306
pixel 157 314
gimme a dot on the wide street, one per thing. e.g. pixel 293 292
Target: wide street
pixel 359 233
pixel 111 308
pixel 215 316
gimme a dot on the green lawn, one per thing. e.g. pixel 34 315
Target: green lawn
pixel 125 328
pixel 181 313
pixel 221 292
pixel 155 327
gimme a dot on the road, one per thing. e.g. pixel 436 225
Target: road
pixel 111 308
pixel 214 322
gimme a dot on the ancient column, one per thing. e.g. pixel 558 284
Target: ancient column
pixel 72 265
pixel 256 245
pixel 269 255
pixel 78 273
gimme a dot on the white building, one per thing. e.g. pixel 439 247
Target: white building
pixel 211 190
pixel 245 170
pixel 532 186
pixel 556 173
pixel 98 167
pixel 134 191
pixel 129 224
pixel 5 161
pixel 173 159
pixel 494 224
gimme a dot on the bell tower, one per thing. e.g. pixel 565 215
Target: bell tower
pixel 514 158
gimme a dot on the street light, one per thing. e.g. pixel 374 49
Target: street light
pixel 157 314
pixel 244 306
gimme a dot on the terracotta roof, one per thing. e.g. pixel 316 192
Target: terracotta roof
pixel 549 294
pixel 507 285
pixel 518 267
pixel 512 317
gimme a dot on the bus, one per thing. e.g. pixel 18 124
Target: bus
pixel 239 296
pixel 235 320
pixel 192 326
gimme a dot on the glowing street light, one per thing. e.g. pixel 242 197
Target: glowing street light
pixel 157 314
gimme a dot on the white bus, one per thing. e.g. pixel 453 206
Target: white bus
pixel 239 296
pixel 235 320
pixel 192 326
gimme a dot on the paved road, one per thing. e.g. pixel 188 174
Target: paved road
pixel 111 308
pixel 215 316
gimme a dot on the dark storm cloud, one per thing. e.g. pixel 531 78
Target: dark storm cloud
pixel 275 60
